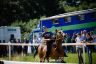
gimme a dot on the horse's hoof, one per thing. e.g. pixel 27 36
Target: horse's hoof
pixel 65 55
pixel 40 61
pixel 48 61
pixel 62 61
pixel 58 61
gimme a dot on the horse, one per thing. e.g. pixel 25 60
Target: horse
pixel 56 50
pixel 42 52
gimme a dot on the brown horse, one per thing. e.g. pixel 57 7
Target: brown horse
pixel 42 52
pixel 56 51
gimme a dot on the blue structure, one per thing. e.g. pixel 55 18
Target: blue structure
pixel 33 33
pixel 70 22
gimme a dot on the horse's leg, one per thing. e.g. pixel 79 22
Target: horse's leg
pixel 41 52
pixel 62 57
pixel 41 59
pixel 62 61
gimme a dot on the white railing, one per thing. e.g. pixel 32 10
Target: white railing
pixel 36 44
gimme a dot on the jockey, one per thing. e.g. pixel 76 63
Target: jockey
pixel 48 36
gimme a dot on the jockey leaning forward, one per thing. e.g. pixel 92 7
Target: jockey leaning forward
pixel 48 36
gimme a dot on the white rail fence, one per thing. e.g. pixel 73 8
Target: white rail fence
pixel 36 44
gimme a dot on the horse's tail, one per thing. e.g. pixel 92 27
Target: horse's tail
pixel 36 51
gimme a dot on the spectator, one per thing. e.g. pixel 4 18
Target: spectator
pixel 19 48
pixel 92 34
pixel 89 48
pixel 83 35
pixel 73 41
pixel 13 48
pixel 4 49
pixel 68 40
pixel 73 38
pixel 25 47
pixel 79 48
pixel 94 40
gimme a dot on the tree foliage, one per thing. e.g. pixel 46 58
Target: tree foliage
pixel 26 13
pixel 11 10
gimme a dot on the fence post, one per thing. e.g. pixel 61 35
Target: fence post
pixel 9 50
pixel 84 53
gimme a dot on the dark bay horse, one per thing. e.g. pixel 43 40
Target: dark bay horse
pixel 57 52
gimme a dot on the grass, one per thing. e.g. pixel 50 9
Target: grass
pixel 72 58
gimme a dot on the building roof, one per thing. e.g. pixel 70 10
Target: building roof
pixel 71 14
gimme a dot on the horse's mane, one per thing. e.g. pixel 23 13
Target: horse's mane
pixel 59 36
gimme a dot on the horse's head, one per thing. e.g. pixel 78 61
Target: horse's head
pixel 59 35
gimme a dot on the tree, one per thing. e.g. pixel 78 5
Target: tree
pixel 11 10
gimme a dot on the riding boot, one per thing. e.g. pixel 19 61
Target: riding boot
pixel 47 56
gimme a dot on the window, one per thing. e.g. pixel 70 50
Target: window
pixel 67 19
pixel 0 41
pixel 3 41
pixel 11 29
pixel 80 17
pixel 55 21
pixel 11 36
pixel 93 15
